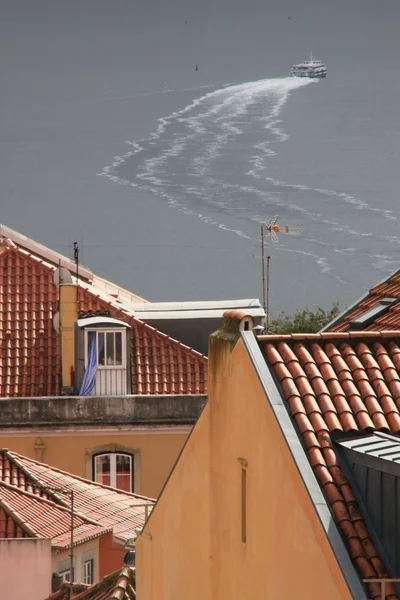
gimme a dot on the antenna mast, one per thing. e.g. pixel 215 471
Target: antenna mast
pixel 76 258
pixel 270 229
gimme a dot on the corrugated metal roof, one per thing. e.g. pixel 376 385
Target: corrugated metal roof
pixel 380 445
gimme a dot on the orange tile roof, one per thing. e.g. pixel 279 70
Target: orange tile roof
pixel 346 382
pixel 389 320
pixel 120 585
pixel 30 347
pixel 97 504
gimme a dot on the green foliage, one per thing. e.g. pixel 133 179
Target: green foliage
pixel 304 321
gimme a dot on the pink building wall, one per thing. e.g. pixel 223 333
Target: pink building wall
pixel 25 568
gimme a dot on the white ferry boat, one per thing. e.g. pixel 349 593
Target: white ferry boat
pixel 309 68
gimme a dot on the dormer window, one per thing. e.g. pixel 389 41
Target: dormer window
pixel 365 319
pixel 102 356
pixel 110 347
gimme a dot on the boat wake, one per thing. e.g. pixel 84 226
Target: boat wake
pixel 213 160
pixel 179 160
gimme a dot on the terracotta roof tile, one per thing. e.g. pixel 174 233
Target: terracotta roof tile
pixel 349 383
pixel 120 585
pixel 94 503
pixel 30 347
pixel 39 517
pixel 389 320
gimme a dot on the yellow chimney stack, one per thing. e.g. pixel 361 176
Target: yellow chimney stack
pixel 68 318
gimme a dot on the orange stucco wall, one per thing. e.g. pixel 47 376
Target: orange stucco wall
pixel 173 554
pixel 192 546
pixel 157 453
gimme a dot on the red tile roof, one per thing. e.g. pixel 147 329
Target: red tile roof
pixel 94 503
pixel 23 514
pixel 340 382
pixel 390 320
pixel 120 585
pixel 30 347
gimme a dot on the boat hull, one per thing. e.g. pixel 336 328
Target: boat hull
pixel 310 75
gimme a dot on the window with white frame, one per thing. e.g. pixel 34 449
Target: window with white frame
pixel 88 571
pixel 110 347
pixel 115 470
pixel 65 575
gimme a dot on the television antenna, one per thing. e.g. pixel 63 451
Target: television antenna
pixel 270 230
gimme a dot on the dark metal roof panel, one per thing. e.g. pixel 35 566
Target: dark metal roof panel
pixel 379 445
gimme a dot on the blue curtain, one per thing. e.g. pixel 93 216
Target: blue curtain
pixel 89 377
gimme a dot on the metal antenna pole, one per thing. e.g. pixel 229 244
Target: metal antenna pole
pixel 72 545
pixel 76 257
pixel 267 302
pixel 263 269
pixel 69 493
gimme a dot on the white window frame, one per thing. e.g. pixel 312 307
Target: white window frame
pixel 113 468
pixel 120 449
pixel 121 331
pixel 64 574
pixel 88 571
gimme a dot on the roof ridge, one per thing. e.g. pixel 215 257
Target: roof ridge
pixel 12 457
pixel 119 287
pixel 66 508
pixel 332 335
pixel 17 517
pixel 73 476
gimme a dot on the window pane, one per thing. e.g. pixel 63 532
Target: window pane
pixel 118 348
pixel 88 571
pixel 102 469
pixel 124 472
pixel 110 348
pixel 100 340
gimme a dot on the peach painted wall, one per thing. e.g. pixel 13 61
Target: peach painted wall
pixel 190 551
pixel 25 568
pixel 173 554
pixel 157 453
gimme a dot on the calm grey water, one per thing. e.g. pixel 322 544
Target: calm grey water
pixel 163 174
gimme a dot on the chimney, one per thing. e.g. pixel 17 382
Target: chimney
pixel 220 346
pixel 68 318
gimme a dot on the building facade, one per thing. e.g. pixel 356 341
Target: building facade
pixel 242 514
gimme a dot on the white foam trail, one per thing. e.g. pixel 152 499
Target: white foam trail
pixel 197 162
pixel 216 115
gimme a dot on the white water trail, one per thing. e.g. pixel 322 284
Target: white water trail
pixel 211 160
pixel 174 161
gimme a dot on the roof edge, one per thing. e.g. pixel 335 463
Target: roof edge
pixel 339 319
pixel 16 456
pixel 306 473
pixel 45 253
pixel 330 335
